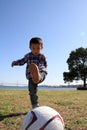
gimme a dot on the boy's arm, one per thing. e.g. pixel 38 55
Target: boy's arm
pixel 45 65
pixel 13 63
pixel 45 62
pixel 19 62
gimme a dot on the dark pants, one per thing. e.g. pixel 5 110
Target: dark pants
pixel 32 87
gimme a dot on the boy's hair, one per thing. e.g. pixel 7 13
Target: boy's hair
pixel 36 40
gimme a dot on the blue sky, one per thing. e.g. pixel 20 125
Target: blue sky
pixel 62 24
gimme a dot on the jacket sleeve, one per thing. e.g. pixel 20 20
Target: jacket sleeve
pixel 22 61
pixel 45 62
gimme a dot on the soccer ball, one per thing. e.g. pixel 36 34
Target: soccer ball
pixel 43 118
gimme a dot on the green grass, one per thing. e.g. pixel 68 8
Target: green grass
pixel 72 105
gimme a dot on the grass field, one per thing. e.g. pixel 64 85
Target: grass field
pixel 72 105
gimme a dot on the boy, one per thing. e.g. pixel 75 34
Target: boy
pixel 36 68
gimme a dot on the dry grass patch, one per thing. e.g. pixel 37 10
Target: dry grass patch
pixel 72 105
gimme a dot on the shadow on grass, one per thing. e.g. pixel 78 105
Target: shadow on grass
pixel 2 117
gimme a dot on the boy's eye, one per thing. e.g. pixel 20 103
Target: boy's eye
pixel 35 48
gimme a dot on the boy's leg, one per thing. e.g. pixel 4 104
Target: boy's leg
pixel 33 69
pixel 42 76
pixel 37 77
pixel 33 93
pixel 32 87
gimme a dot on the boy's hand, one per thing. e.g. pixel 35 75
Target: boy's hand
pixel 13 63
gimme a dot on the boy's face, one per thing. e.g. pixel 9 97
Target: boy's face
pixel 36 49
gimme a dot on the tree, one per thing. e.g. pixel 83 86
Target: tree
pixel 77 66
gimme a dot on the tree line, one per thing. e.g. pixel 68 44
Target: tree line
pixel 77 66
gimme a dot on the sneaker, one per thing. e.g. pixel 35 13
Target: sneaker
pixel 35 106
pixel 33 69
